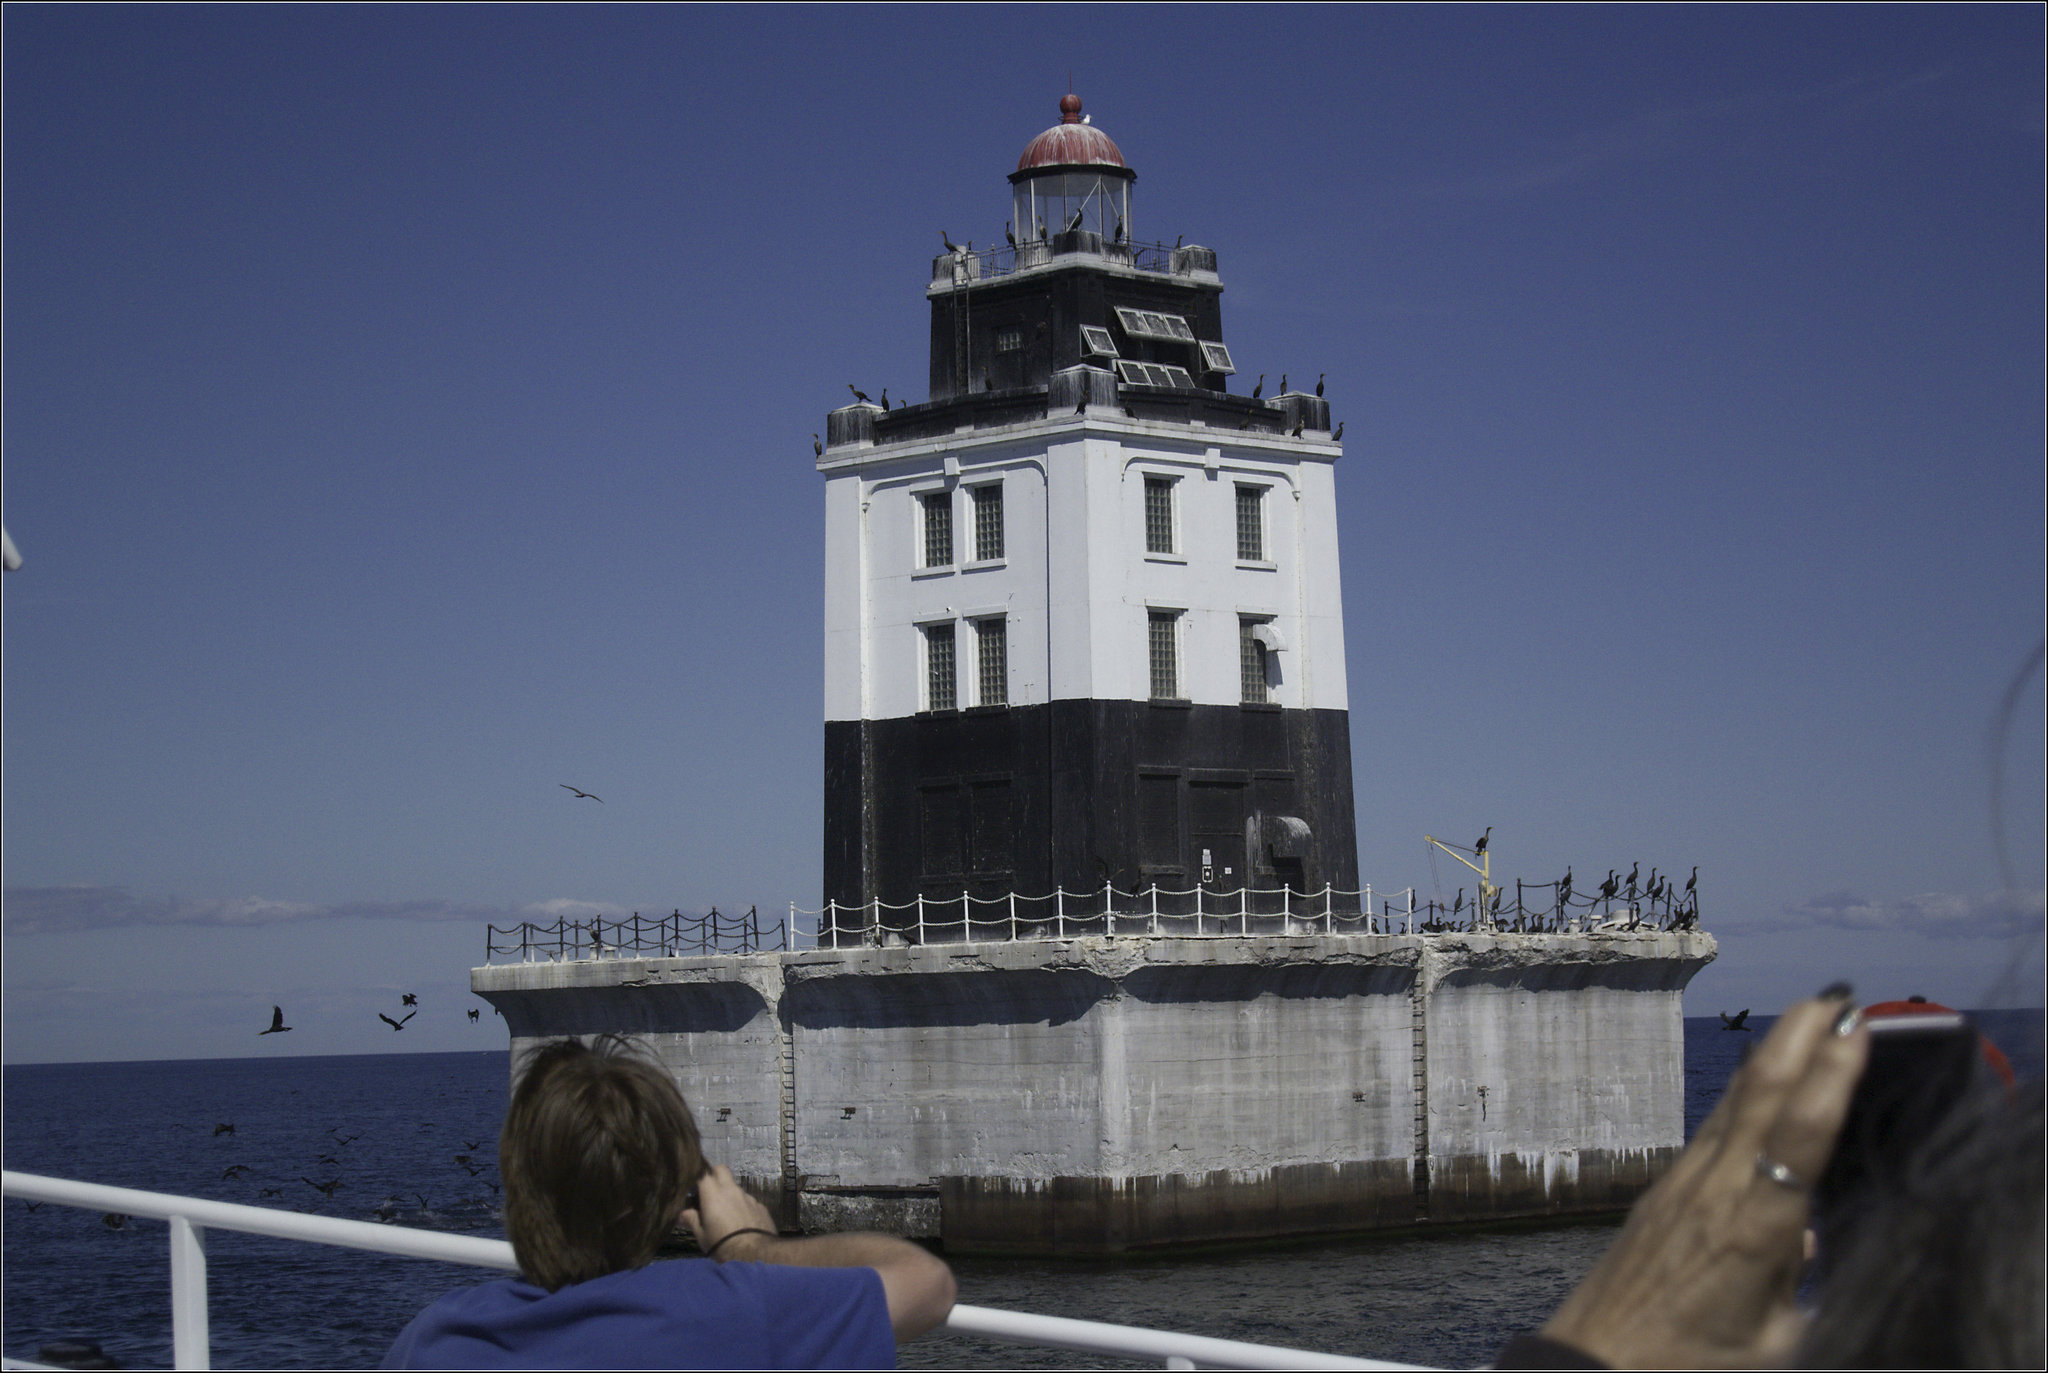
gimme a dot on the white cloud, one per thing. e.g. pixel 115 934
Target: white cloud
pixel 1982 915
pixel 54 910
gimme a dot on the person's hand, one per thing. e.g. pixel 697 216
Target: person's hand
pixel 1704 1273
pixel 723 1206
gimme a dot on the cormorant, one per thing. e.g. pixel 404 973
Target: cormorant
pixel 1283 383
pixel 472 1015
pixel 1176 241
pixel 1298 428
pixel 1735 1023
pixel 1260 387
pixel 951 246
pixel 1075 222
pixel 817 446
pixel 1692 881
pixel 1118 237
pixel 277 1027
pixel 1480 847
pixel 587 796
pixel 1008 235
pixel 1319 384
pixel 326 1188
pixel 395 1024
pixel 1338 437
pixel 859 394
pixel 885 398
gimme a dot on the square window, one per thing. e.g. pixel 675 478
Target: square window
pixel 939 691
pixel 1216 358
pixel 938 528
pixel 1251 524
pixel 1163 645
pixel 1159 515
pixel 1096 342
pixel 1009 340
pixel 988 523
pixel 992 661
pixel 1253 679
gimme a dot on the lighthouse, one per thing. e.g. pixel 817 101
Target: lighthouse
pixel 1084 643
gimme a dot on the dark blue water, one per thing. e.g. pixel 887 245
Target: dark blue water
pixel 1447 1299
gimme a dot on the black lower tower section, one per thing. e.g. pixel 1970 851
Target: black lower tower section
pixel 1076 795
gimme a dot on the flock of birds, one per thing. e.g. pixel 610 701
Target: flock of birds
pixel 1681 904
pixel 278 1027
pixel 331 1161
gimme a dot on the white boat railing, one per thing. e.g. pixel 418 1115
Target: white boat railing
pixel 191 1342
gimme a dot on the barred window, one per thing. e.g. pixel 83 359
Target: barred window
pixel 992 653
pixel 1009 340
pixel 938 528
pixel 1251 524
pixel 988 523
pixel 939 692
pixel 1164 633
pixel 1251 663
pixel 1158 515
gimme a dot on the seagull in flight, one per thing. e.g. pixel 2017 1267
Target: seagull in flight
pixel 581 795
pixel 396 1024
pixel 277 1025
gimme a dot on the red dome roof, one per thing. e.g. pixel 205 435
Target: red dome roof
pixel 1070 143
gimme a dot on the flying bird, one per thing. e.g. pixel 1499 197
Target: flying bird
pixel 472 1015
pixel 346 1140
pixel 859 394
pixel 324 1188
pixel 114 1220
pixel 235 1171
pixel 408 999
pixel 1319 383
pixel 1257 390
pixel 587 796
pixel 277 1026
pixel 1735 1022
pixel 472 1144
pixel 328 1159
pixel 270 1192
pixel 223 1129
pixel 396 1024
pixel 1480 847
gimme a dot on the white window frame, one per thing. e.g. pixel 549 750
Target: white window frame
pixel 1176 618
pixel 1172 484
pixel 927 676
pixel 983 624
pixel 1265 551
pixel 974 505
pixel 927 500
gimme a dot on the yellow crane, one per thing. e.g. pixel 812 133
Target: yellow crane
pixel 1484 867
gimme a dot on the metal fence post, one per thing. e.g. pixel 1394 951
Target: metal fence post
pixel 191 1342
pixel 920 917
pixel 1060 910
pixel 966 919
pixel 1013 915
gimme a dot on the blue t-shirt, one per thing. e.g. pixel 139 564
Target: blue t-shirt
pixel 684 1313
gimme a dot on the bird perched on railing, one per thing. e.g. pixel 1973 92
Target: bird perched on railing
pixel 1012 238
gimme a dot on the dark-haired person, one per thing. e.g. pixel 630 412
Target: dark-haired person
pixel 601 1158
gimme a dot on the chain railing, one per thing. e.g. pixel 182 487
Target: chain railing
pixel 668 936
pixel 1150 912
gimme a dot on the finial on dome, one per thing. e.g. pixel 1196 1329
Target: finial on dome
pixel 1070 108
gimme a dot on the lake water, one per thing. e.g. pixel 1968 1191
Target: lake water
pixel 1444 1298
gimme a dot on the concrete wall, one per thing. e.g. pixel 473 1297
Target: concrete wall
pixel 1095 1095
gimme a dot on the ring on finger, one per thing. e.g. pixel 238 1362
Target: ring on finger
pixel 1780 1174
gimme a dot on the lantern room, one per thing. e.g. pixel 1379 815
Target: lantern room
pixel 1071 178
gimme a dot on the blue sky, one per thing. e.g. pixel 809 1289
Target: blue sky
pixel 409 410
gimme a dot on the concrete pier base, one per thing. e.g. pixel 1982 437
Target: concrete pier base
pixel 1096 1095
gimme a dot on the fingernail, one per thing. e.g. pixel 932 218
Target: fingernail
pixel 1846 1023
pixel 1837 991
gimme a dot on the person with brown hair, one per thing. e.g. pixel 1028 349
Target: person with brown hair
pixel 601 1159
